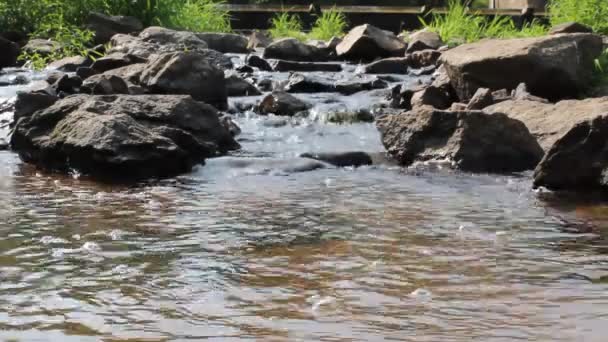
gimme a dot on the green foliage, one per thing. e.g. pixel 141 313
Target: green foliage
pixel 202 16
pixel 600 78
pixel 331 23
pixel 286 25
pixel 459 25
pixel 593 13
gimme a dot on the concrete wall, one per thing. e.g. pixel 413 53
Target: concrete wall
pixel 518 4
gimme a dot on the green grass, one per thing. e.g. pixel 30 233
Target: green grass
pixel 593 13
pixel 331 23
pixel 285 25
pixel 600 77
pixel 202 16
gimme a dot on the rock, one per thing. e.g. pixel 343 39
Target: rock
pixel 333 43
pixel 367 43
pixel 294 50
pixel 457 106
pixel 299 83
pixel 501 95
pixel 69 84
pixel 225 42
pixel 265 84
pixel 266 165
pixel 394 65
pixel 281 103
pixel 423 40
pixel 105 26
pixel 70 64
pixel 578 160
pixel 54 76
pixel 431 96
pixel 401 96
pixel 553 67
pixel 570 27
pixel 85 72
pixel 549 122
pixel 122 136
pixel 282 65
pixel 258 62
pixel 258 39
pixel 186 73
pixel 341 159
pixel 244 69
pixel 130 73
pixel 104 84
pixel 115 60
pixel 521 93
pixel 423 58
pixel 470 140
pixel 3 145
pixel 236 86
pixel 10 52
pixel 29 102
pixel 42 47
pixel 349 117
pixel 229 124
pixel 165 36
pixel 482 99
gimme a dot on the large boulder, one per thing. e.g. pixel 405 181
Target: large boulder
pixel 470 140
pixel 186 73
pixel 122 135
pixel 294 50
pixel 10 52
pixel 578 160
pixel 367 42
pixel 225 42
pixel 105 27
pixel 423 40
pixel 553 67
pixel 549 122
pixel 105 84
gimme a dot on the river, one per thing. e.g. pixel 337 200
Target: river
pixel 259 252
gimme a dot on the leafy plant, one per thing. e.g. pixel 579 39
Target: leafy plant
pixel 202 16
pixel 331 23
pixel 601 70
pixel 286 25
pixel 592 13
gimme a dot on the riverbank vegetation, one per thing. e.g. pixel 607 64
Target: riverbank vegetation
pixel 331 23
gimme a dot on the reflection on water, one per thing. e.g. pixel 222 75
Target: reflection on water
pixel 227 253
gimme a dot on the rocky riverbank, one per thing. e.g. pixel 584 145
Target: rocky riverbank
pixel 160 101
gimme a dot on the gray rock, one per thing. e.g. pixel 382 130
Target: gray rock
pixel 105 26
pixel 482 99
pixel 104 84
pixel 521 93
pixel 258 62
pixel 225 42
pixel 186 73
pixel 282 65
pixel 130 73
pixel 10 52
pixel 29 102
pixel 281 103
pixel 294 50
pixel 570 27
pixel 470 140
pixel 165 36
pixel 122 136
pixel 258 39
pixel 423 40
pixel 431 96
pixel 423 58
pixel 115 60
pixel 229 124
pixel 70 64
pixel 43 47
pixel 553 67
pixel 394 65
pixel 69 84
pixel 341 159
pixel 85 72
pixel 367 42
pixel 236 86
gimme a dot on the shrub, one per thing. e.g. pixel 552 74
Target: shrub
pixel 286 25
pixel 593 13
pixel 331 23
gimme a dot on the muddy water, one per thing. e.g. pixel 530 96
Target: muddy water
pixel 246 249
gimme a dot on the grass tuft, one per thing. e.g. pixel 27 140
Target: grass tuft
pixel 331 23
pixel 593 13
pixel 285 25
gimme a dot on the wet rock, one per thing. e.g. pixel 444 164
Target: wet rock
pixel 85 72
pixel 69 84
pixel 70 64
pixel 236 86
pixel 470 140
pixel 578 160
pixel 553 67
pixel 349 117
pixel 549 122
pixel 570 27
pixel 482 99
pixel 282 65
pixel 423 40
pixel 104 84
pixel 42 47
pixel 431 96
pixel 225 42
pixel 229 124
pixel 10 52
pixel 299 83
pixel 105 27
pixel 258 39
pixel 281 103
pixel 114 61
pixel 423 58
pixel 265 84
pixel 122 136
pixel 29 102
pixel 294 50
pixel 394 65
pixel 341 159
pixel 186 73
pixel 270 165
pixel 258 62
pixel 244 69
pixel 367 42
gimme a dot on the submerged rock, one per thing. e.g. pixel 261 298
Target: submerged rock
pixel 281 65
pixel 236 86
pixel 471 140
pixel 186 73
pixel 394 65
pixel 281 103
pixel 300 83
pixel 294 50
pixel 553 67
pixel 367 42
pixel 341 159
pixel 122 136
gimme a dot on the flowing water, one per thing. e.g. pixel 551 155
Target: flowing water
pixel 244 248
